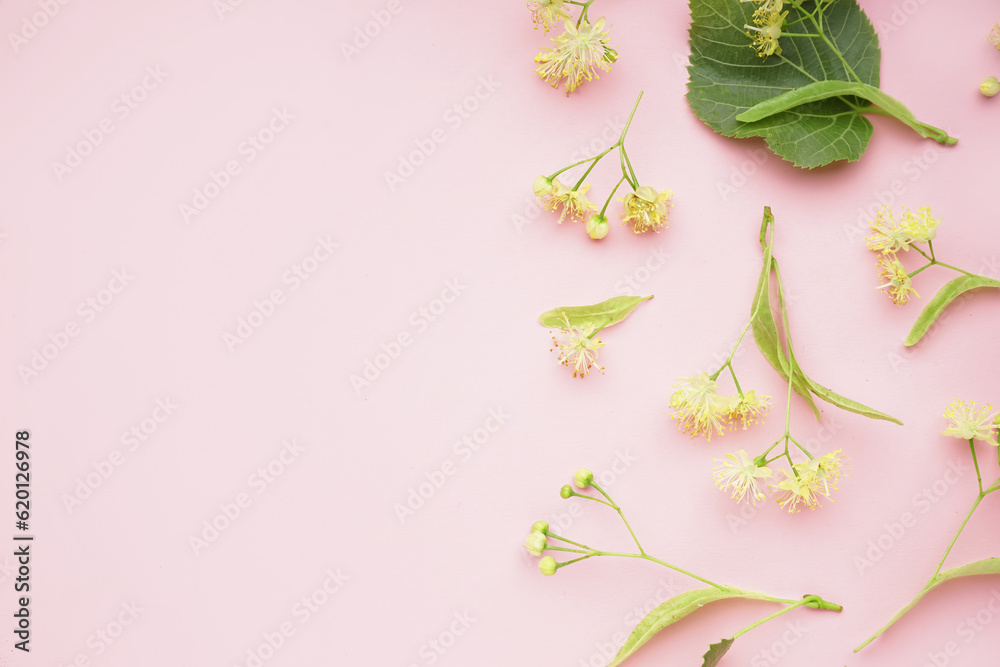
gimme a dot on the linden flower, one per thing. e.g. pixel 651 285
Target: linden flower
pixel 574 203
pixel 748 409
pixel 994 36
pixel 767 31
pixel 700 409
pixel 823 472
pixel 967 421
pixel 546 12
pixel 990 86
pixel 920 226
pixel 577 55
pixel 896 282
pixel 646 209
pixel 890 236
pixel 739 473
pixel 578 349
pixel 794 493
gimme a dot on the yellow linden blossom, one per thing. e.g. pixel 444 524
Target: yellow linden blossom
pixel 994 36
pixel 546 12
pixel 896 282
pixel 890 235
pixel 748 409
pixel 823 472
pixel 700 409
pixel 578 349
pixel 769 19
pixel 920 226
pixel 646 209
pixel 967 421
pixel 574 203
pixel 794 493
pixel 577 55
pixel 739 473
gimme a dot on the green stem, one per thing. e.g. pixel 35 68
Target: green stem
pixel 651 559
pixel 621 514
pixel 608 201
pixel 591 167
pixel 968 516
pixel 975 461
pixel 577 164
pixel 772 616
pixel 567 540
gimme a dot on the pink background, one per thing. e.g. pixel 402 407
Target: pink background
pixel 465 215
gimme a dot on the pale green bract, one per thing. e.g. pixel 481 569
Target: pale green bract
pixel 952 290
pixel 603 314
pixel 808 101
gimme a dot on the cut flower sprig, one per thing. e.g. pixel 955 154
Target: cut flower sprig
pixel 542 539
pixel 576 54
pixel 701 410
pixel 645 208
pixel 966 420
pixel 893 234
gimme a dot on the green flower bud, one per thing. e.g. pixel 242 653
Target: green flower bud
pixel 548 566
pixel 597 226
pixel 583 478
pixel 610 54
pixel 566 491
pixel 990 86
pixel 535 544
pixel 542 186
pixel 540 527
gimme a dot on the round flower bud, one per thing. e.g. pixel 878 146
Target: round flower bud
pixel 548 566
pixel 990 86
pixel 566 491
pixel 540 527
pixel 583 478
pixel 535 544
pixel 610 54
pixel 542 186
pixel 597 226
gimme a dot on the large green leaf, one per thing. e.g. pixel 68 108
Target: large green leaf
pixel 980 567
pixel 674 610
pixel 945 296
pixel 602 314
pixel 728 78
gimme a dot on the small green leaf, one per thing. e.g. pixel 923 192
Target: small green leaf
pixel 980 567
pixel 845 403
pixel 602 314
pixel 945 296
pixel 674 610
pixel 715 652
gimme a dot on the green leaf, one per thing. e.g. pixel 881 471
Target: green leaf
pixel 715 652
pixel 945 296
pixel 603 314
pixel 845 403
pixel 980 567
pixel 674 610
pixel 807 102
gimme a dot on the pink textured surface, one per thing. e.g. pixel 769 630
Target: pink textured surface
pixel 456 220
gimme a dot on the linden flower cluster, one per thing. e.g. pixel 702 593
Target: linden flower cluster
pixel 803 484
pixel 766 31
pixel 701 410
pixel 891 235
pixel 578 53
pixel 991 85
pixel 644 209
pixel 968 421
